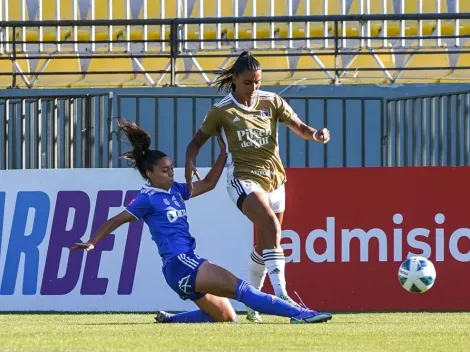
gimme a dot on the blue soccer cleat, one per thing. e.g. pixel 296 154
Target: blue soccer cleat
pixel 310 317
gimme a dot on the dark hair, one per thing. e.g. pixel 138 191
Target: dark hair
pixel 141 156
pixel 245 62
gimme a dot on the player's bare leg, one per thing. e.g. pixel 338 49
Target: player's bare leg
pixel 257 209
pixel 219 308
pixel 212 309
pixel 280 218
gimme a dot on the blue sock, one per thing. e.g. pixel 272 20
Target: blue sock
pixel 195 316
pixel 263 303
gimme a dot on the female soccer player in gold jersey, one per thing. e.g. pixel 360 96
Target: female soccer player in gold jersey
pixel 247 119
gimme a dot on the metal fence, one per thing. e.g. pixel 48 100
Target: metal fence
pixel 80 130
pixel 357 124
pixel 60 131
pixel 429 130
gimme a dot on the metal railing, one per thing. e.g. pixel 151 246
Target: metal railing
pixel 24 10
pixel 175 47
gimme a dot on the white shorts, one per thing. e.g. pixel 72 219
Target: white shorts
pixel 240 189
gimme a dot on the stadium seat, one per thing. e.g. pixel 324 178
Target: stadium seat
pixel 308 62
pixel 207 63
pixel 386 58
pixel 101 13
pixel 153 11
pixel 121 63
pixel 6 66
pixel 155 64
pixel 14 11
pixel 422 60
pixel 49 13
pixel 411 27
pixel 281 61
pixel 459 75
pixel 210 10
pixel 263 8
pixel 58 64
pixel 464 25
pixel 14 14
pixel 316 28
pixel 376 7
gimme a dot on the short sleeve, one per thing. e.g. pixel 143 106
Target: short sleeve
pixel 140 206
pixel 184 190
pixel 284 111
pixel 211 124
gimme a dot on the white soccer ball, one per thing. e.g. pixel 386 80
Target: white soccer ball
pixel 417 274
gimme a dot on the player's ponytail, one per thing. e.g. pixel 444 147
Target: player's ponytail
pixel 245 62
pixel 141 156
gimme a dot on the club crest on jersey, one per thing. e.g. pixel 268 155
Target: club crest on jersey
pixel 166 201
pixel 175 201
pixel 264 114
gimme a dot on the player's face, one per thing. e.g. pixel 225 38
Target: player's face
pixel 162 174
pixel 247 83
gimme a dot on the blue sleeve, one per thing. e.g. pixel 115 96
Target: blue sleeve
pixel 140 206
pixel 184 190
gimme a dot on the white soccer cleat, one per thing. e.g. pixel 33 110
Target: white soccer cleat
pixel 253 316
pixel 162 317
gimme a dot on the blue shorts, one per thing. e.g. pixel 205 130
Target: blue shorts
pixel 180 274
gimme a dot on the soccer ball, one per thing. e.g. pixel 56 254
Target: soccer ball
pixel 417 274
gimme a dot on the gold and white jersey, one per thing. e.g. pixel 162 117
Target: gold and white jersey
pixel 251 137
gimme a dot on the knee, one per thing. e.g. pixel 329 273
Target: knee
pixel 227 316
pixel 230 317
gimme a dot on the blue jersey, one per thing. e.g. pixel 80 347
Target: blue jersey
pixel 164 212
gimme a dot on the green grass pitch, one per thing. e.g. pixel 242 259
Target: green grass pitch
pixel 138 332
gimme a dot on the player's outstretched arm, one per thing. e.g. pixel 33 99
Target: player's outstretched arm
pixel 105 229
pixel 210 181
pixel 192 151
pixel 306 132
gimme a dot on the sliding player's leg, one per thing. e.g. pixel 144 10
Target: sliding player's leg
pixel 193 277
pixel 218 281
pixel 212 309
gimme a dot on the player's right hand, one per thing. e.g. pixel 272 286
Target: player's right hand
pixel 87 246
pixel 189 172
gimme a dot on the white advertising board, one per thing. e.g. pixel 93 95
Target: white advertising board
pixel 43 212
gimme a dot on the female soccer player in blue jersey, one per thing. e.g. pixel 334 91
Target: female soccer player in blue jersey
pixel 161 205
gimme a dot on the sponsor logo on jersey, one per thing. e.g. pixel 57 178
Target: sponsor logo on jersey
pixel 254 137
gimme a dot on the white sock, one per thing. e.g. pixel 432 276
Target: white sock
pixel 275 262
pixel 256 270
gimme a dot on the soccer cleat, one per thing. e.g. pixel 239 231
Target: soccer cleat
pixel 253 315
pixel 308 316
pixel 162 316
pixel 290 300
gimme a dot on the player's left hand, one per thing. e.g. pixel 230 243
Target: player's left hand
pixel 87 245
pixel 322 136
